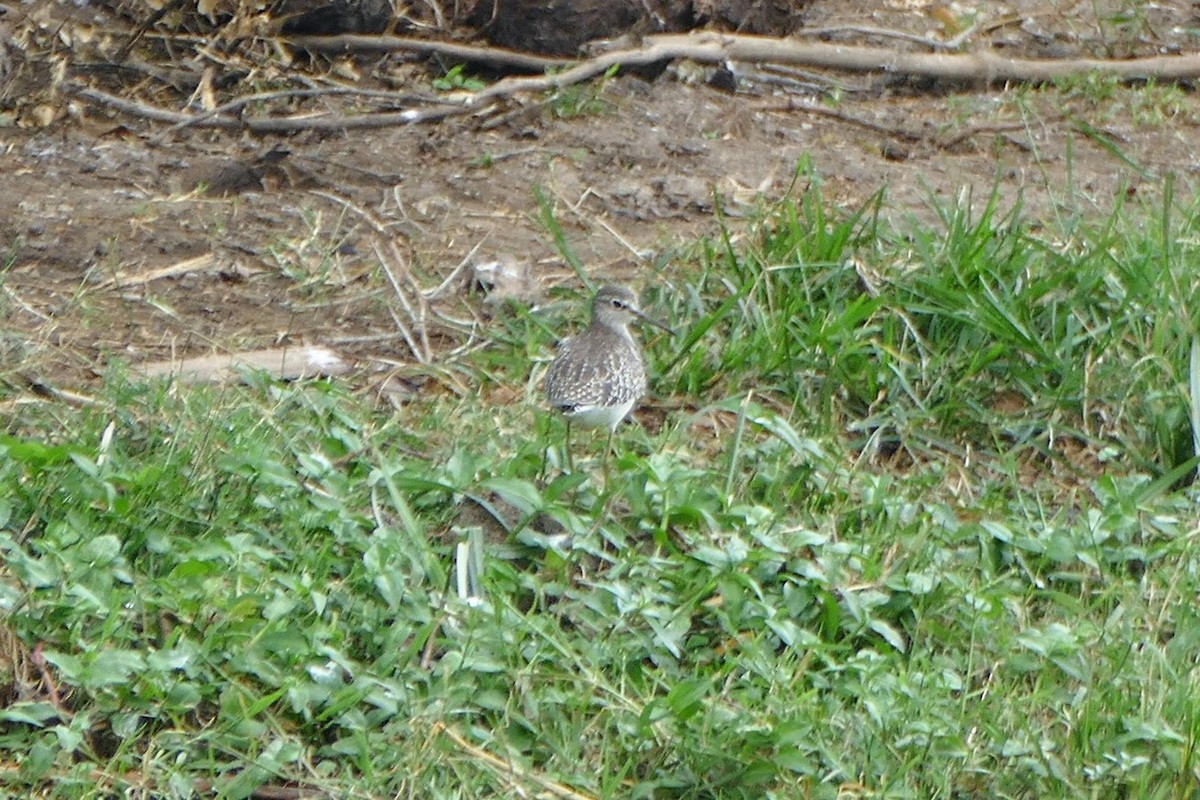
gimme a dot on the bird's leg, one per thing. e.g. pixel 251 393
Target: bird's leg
pixel 607 453
pixel 567 448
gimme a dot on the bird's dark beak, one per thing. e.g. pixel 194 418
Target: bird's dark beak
pixel 654 322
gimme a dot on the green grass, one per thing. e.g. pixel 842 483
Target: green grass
pixel 920 524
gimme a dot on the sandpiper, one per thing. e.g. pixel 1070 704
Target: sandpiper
pixel 599 375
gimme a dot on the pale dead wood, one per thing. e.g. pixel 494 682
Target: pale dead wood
pixel 311 121
pixel 267 792
pixel 238 103
pixel 23 304
pixel 714 48
pixel 395 268
pixel 125 279
pixel 284 363
pixel 887 33
pixel 710 47
pixel 133 107
pixel 493 56
pixel 41 392
pixel 950 142
pixel 456 274
pixel 981 65
pixel 508 767
pixel 798 80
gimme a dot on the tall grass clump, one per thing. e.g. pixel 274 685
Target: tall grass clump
pixel 978 331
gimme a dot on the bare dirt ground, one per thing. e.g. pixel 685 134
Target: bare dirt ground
pixel 97 196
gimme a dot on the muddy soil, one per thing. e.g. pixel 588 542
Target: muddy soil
pixel 113 253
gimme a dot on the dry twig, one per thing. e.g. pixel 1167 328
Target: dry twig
pixel 513 770
pixel 492 56
pixel 395 267
pixel 865 30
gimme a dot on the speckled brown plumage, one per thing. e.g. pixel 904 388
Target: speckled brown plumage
pixel 598 375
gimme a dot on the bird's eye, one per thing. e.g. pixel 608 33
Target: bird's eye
pixel 617 303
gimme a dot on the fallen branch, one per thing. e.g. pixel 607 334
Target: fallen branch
pixel 285 124
pixel 887 33
pixel 238 103
pixel 282 363
pixel 714 48
pixel 982 65
pixel 197 264
pixel 492 56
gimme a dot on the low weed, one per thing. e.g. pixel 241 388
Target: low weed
pixel 917 522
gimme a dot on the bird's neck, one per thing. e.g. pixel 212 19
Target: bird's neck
pixel 617 329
